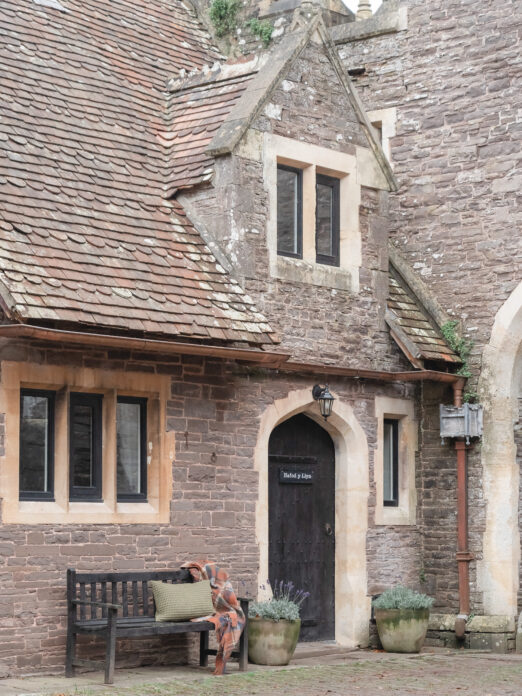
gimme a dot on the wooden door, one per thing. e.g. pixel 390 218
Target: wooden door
pixel 302 519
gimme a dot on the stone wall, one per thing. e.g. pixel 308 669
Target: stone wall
pixel 214 409
pixel 453 76
pixel 337 326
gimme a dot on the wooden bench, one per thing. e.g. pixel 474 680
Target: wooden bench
pixel 120 605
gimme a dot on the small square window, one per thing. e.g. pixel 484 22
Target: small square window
pixel 131 449
pixel 85 447
pixel 36 444
pixel 289 211
pixel 391 462
pixel 327 220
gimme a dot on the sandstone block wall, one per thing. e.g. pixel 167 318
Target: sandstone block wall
pixel 214 409
pixel 453 76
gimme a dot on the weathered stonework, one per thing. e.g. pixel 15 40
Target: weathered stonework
pixel 452 76
pixel 214 408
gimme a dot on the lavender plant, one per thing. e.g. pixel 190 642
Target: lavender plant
pixel 400 597
pixel 284 605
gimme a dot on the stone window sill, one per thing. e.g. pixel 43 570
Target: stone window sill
pixel 299 271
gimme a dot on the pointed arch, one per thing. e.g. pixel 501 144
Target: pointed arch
pixel 499 387
pixel 352 605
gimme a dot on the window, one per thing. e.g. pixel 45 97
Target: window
pixel 289 211
pixel 327 223
pixel 391 462
pixel 85 446
pixel 131 448
pixel 36 444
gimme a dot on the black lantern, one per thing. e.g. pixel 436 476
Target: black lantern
pixel 325 399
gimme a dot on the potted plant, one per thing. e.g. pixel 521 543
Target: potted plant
pixel 402 619
pixel 274 625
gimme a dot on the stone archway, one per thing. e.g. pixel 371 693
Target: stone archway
pixel 352 605
pixel 498 572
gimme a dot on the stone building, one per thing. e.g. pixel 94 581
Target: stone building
pixel 191 242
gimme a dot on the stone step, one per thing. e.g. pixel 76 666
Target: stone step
pixel 304 651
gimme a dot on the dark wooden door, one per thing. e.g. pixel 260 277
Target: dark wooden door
pixel 302 519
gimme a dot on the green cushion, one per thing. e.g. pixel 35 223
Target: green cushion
pixel 182 602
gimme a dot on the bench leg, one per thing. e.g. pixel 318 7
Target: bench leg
pixel 203 647
pixel 243 649
pixel 110 655
pixel 70 651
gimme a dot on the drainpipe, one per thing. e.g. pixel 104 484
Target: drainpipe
pixel 463 555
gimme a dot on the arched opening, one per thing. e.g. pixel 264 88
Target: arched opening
pixel 352 604
pixel 301 512
pixel 499 390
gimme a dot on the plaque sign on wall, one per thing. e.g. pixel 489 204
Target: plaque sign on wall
pixel 296 475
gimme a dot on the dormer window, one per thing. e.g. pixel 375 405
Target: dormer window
pixel 327 223
pixel 289 211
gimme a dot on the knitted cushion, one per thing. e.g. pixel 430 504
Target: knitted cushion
pixel 182 602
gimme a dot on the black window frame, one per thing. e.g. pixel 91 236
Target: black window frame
pixel 135 497
pixel 299 253
pixel 49 494
pixel 335 185
pixel 94 493
pixel 394 502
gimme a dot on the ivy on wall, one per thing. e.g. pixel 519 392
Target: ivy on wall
pixel 462 347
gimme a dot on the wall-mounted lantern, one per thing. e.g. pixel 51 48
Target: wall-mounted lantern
pixel 461 421
pixel 325 399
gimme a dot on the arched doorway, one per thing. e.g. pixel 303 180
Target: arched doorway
pixel 352 604
pixel 301 506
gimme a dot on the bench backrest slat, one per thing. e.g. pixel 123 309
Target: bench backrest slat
pixel 145 595
pixel 124 598
pixel 104 598
pixel 83 597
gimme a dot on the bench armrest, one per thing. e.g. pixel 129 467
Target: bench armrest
pixel 91 603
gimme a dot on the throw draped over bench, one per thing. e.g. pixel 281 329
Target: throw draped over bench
pixel 120 605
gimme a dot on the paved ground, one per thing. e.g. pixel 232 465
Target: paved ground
pixel 361 673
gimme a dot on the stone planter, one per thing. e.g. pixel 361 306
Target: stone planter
pixel 272 642
pixel 402 630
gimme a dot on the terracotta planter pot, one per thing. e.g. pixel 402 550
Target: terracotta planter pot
pixel 272 642
pixel 402 630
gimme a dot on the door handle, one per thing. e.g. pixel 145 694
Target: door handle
pixel 328 529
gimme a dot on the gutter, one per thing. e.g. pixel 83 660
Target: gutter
pixel 270 360
pixel 265 358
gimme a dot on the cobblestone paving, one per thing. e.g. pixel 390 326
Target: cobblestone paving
pixel 360 674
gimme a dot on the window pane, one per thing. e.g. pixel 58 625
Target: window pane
pixel 129 448
pixel 288 213
pixel 82 427
pixel 34 443
pixel 324 217
pixel 388 474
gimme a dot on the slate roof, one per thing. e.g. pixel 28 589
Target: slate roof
pixel 413 328
pixel 86 234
